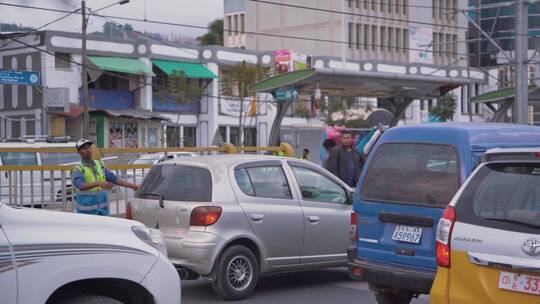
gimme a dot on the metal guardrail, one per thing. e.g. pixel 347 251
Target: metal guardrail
pixel 49 186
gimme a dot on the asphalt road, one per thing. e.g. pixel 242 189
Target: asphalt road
pixel 325 286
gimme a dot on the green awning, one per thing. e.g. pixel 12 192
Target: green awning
pixel 122 65
pixel 190 70
pixel 498 96
pixel 281 80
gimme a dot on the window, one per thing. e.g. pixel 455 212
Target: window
pixel 405 7
pixel 398 6
pixel 389 5
pixel 409 173
pixel 504 195
pixel 351 34
pixel 264 181
pixel 229 25
pixel 436 45
pixel 448 44
pixel 59 158
pixel 243 181
pixel 234 136
pixel 398 40
pixel 382 41
pixel 318 188
pixel 366 4
pixel 373 37
pixel 454 6
pixel 391 47
pixel 177 183
pixel 373 4
pixel 62 60
pixel 358 35
pixel 243 23
pixel 366 36
pixel 250 137
pixel 235 24
pixel 454 46
pixel 406 40
pixel 349 3
pixel 190 136
pixel 422 105
pixel 18 158
pixel 381 5
pixel 434 8
pixel 464 102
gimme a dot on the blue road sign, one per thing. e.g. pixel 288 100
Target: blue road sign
pixel 19 77
pixel 286 95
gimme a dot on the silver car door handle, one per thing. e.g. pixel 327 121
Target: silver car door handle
pixel 256 217
pixel 313 219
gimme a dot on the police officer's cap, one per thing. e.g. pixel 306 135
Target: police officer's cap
pixel 83 142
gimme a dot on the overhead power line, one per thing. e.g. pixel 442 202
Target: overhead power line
pixel 356 14
pixel 385 46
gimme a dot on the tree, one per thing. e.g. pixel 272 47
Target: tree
pixel 214 35
pixel 445 108
pixel 236 81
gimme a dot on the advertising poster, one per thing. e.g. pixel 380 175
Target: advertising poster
pixel 282 61
pixel 420 40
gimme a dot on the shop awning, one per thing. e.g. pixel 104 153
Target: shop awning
pixel 281 80
pixel 498 96
pixel 131 113
pixel 121 65
pixel 190 70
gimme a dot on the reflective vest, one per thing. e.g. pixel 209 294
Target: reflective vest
pixel 95 200
pixel 89 176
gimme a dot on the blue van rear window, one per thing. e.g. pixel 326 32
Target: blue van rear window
pixel 412 173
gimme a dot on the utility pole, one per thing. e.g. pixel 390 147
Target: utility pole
pixel 84 73
pixel 521 103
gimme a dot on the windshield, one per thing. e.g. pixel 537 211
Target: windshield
pixel 177 183
pixel 506 193
pixel 145 161
pixel 412 173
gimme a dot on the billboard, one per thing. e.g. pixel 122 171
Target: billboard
pixel 287 61
pixel 421 44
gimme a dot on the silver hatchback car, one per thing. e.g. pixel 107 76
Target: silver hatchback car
pixel 232 218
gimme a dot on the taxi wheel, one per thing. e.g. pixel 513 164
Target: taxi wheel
pixel 237 273
pixel 387 297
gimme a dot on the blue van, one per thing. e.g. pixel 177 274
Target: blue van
pixel 410 176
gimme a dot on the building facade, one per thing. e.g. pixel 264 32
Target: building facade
pixel 398 31
pixel 127 108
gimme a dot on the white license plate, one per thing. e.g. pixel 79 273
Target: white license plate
pixel 519 282
pixel 408 234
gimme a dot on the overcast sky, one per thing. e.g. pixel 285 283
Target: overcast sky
pixel 192 12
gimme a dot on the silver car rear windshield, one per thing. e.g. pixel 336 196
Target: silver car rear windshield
pixel 177 183
pixel 505 194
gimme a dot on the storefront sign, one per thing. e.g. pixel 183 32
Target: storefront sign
pixel 19 77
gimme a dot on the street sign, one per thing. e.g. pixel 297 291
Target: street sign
pixel 286 95
pixel 19 77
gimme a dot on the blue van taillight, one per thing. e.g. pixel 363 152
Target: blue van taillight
pixel 353 228
pixel 444 233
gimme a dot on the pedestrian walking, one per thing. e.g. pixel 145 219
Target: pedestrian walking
pixel 305 154
pixel 343 161
pixel 92 180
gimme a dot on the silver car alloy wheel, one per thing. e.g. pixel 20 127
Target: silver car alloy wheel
pixel 239 272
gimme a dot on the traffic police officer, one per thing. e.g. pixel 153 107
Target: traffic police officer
pixel 92 180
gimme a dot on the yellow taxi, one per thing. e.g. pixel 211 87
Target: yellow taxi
pixel 488 240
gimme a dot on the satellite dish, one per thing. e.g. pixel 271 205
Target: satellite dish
pixel 379 117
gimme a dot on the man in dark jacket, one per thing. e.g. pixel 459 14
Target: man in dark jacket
pixel 344 162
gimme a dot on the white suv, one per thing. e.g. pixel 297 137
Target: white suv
pixel 488 240
pixel 56 257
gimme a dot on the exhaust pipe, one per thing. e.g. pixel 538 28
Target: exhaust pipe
pixel 187 274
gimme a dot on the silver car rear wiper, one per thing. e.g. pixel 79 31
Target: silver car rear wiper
pixel 498 219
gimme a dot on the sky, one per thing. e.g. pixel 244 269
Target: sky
pixel 178 11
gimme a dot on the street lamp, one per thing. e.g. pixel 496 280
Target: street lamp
pixel 84 63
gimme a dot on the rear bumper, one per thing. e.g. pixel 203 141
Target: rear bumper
pixel 387 275
pixel 197 251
